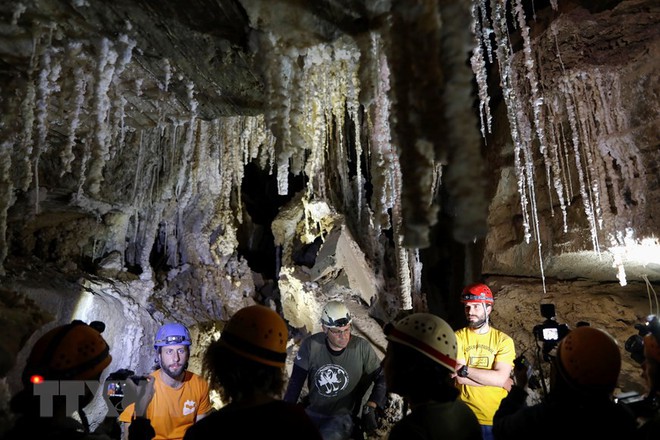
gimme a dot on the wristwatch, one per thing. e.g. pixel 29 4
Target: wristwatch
pixel 463 371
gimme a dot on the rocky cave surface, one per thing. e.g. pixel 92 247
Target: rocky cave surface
pixel 179 160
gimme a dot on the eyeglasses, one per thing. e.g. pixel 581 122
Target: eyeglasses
pixel 171 340
pixel 338 332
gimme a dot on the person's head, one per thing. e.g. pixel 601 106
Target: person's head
pixel 588 362
pixel 172 344
pixel 74 351
pixel 336 323
pixel 421 358
pixel 478 302
pixel 249 357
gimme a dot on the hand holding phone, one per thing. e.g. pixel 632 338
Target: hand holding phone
pixel 143 388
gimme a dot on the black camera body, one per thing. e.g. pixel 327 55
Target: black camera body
pixel 635 344
pixel 550 332
pixel 641 405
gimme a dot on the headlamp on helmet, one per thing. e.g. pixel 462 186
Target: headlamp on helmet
pixel 335 314
pixel 172 333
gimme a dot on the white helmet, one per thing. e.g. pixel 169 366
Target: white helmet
pixel 335 314
pixel 428 334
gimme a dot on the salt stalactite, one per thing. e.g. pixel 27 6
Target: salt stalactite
pixel 566 87
pixel 6 194
pixel 383 155
pixel 257 142
pixel 557 170
pixel 278 75
pixel 46 87
pixel 100 151
pixel 27 113
pixel 337 75
pixel 118 134
pixel 587 120
pixel 536 98
pixel 184 185
pixel 480 24
pixel 223 224
pixel 418 131
pixel 536 102
pixel 503 51
pixel 513 86
pixel 464 178
pixel 138 168
pixel 386 174
pixel 80 80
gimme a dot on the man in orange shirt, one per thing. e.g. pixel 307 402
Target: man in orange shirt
pixel 180 397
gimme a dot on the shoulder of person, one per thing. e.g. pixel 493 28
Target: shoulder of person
pixel 315 338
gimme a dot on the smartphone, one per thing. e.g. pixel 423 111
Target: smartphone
pixel 114 388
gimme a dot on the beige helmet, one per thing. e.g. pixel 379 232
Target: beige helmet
pixel 428 334
pixel 335 314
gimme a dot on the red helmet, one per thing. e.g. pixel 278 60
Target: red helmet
pixel 477 293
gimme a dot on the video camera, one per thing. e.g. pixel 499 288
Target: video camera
pixel 550 332
pixel 635 344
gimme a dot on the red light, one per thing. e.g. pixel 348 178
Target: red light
pixel 35 379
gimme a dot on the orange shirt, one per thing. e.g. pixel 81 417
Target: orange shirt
pixel 172 411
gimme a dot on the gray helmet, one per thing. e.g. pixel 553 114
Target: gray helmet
pixel 335 314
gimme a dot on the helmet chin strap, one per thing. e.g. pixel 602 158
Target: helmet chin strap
pixel 483 328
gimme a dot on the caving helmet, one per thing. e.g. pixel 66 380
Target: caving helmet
pixel 172 333
pixel 257 333
pixel 477 293
pixel 335 314
pixel 428 334
pixel 74 351
pixel 590 359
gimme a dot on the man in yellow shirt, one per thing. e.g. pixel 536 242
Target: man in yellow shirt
pixel 180 397
pixel 485 358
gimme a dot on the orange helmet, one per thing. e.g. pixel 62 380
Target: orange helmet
pixel 74 351
pixel 477 293
pixel 589 358
pixel 257 333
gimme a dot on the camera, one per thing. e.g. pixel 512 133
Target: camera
pixel 550 332
pixel 635 344
pixel 642 406
pixel 116 381
pixel 115 384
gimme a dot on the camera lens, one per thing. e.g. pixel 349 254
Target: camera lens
pixel 634 344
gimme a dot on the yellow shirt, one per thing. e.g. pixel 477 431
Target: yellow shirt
pixel 482 351
pixel 172 411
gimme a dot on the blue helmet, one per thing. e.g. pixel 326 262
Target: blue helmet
pixel 172 334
